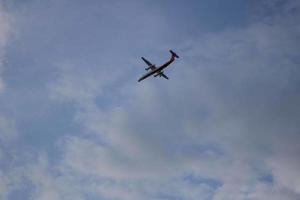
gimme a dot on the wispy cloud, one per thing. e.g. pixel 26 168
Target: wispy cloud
pixel 229 118
pixel 6 20
pixel 224 127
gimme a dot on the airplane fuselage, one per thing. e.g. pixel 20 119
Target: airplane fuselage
pixel 157 70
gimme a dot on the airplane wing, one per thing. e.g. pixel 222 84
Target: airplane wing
pixel 151 66
pixel 163 75
pixel 147 62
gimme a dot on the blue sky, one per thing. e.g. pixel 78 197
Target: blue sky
pixel 76 124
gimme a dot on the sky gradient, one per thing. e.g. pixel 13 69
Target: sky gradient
pixel 75 124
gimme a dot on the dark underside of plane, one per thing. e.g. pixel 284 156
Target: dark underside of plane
pixel 157 71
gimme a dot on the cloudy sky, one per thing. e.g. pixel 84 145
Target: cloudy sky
pixel 76 125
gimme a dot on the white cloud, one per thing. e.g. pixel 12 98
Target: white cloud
pixel 266 191
pixel 9 173
pixel 6 20
pixel 7 129
pixel 4 185
pixel 47 184
pixel 8 132
pixel 76 85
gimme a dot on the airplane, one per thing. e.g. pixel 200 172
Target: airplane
pixel 157 71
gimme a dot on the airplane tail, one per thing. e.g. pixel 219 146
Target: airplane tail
pixel 174 54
